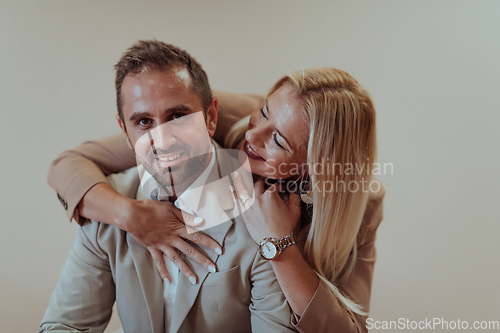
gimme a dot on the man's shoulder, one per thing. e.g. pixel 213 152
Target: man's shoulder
pixel 100 237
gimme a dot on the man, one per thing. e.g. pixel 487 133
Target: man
pixel 166 109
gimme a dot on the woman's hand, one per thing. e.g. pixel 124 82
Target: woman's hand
pixel 162 227
pixel 266 214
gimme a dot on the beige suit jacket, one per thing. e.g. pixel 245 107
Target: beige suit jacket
pixel 108 264
pixel 75 171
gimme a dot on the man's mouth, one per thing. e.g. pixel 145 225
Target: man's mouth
pixel 170 159
pixel 251 153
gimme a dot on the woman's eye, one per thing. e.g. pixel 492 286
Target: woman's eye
pixel 262 112
pixel 277 142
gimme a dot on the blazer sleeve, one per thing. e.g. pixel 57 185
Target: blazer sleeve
pixel 269 309
pixel 77 170
pixel 324 312
pixel 84 296
pixel 73 173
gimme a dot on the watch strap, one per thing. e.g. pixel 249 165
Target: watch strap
pixel 285 242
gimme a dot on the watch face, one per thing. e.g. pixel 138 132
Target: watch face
pixel 268 250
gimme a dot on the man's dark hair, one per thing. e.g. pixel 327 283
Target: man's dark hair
pixel 152 55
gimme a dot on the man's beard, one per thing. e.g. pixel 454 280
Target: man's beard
pixel 175 179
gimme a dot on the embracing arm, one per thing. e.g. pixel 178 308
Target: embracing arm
pixel 73 173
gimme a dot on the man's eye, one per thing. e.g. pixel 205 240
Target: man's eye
pixel 178 116
pixel 144 122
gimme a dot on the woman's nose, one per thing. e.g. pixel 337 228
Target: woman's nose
pixel 256 136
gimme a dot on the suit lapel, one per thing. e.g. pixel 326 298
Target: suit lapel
pixel 187 292
pixel 151 283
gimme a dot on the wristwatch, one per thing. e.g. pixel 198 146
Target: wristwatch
pixel 270 248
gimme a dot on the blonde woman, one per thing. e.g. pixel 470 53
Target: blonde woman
pixel 311 121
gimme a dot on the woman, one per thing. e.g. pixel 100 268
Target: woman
pixel 311 119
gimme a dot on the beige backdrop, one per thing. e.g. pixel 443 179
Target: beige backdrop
pixel 432 68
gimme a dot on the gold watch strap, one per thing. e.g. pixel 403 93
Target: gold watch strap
pixel 285 242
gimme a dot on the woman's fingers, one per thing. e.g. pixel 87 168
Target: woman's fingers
pixel 187 219
pixel 181 265
pixel 194 254
pixel 195 236
pixel 294 203
pixel 204 240
pixel 160 263
pixel 191 234
pixel 259 187
pixel 238 183
pixel 246 200
pixel 273 192
pixel 192 221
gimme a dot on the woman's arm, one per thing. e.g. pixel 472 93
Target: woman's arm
pixel 315 308
pixel 73 173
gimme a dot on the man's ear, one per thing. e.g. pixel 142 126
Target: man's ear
pixel 211 118
pixel 124 130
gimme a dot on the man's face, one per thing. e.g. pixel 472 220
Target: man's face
pixel 166 127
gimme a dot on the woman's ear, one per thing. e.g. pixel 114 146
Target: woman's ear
pixel 211 116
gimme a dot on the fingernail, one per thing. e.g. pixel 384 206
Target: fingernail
pixel 166 281
pixel 211 268
pixel 192 279
pixel 231 188
pixel 198 219
pixel 218 251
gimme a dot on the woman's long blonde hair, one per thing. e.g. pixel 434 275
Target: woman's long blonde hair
pixel 342 139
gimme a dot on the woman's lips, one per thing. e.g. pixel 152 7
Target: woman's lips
pixel 251 153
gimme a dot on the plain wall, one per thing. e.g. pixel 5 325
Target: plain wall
pixel 432 68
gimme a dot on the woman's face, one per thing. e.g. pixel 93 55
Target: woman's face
pixel 276 140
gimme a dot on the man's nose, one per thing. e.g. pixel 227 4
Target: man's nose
pixel 162 137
